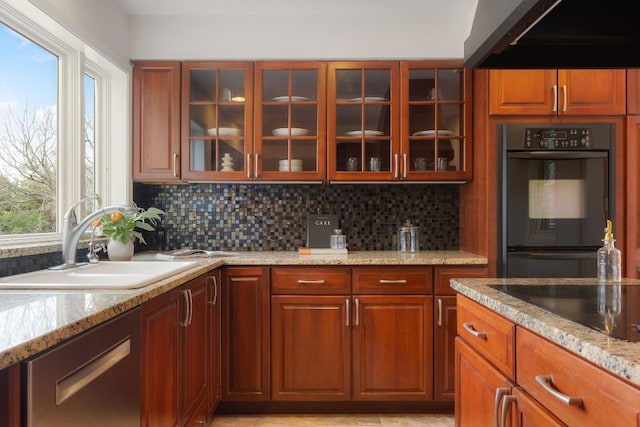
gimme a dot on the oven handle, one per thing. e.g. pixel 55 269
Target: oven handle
pixel 556 255
pixel 551 155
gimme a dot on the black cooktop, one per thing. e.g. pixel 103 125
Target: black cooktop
pixel 611 309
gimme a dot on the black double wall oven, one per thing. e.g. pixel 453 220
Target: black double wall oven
pixel 556 191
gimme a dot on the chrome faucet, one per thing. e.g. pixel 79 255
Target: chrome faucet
pixel 72 231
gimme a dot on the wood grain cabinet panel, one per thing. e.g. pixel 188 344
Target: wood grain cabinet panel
pixel 246 334
pixel 392 347
pixel 546 370
pixel 156 121
pixel 557 92
pixel 311 348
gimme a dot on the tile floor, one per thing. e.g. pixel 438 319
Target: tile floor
pixel 338 420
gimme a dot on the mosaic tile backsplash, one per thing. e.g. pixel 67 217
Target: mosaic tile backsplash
pixel 272 217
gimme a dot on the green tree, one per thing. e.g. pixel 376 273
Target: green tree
pixel 28 175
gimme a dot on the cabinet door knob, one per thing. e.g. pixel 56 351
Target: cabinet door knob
pixel 546 382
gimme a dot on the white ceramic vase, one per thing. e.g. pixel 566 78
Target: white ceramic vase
pixel 119 251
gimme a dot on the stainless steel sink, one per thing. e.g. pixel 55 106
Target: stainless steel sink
pixel 104 275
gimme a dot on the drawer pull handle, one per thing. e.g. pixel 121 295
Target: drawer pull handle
pixel 393 282
pixel 439 312
pixel 500 391
pixel 506 403
pixel 311 282
pixel 546 381
pixel 478 334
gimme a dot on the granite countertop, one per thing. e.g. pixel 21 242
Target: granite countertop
pixel 620 357
pixel 32 321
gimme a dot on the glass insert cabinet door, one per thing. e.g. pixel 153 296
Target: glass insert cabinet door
pixel 436 125
pixel 216 120
pixel 363 113
pixel 290 121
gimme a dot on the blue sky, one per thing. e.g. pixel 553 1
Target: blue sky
pixel 28 73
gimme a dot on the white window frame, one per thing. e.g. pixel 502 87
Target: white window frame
pixel 112 119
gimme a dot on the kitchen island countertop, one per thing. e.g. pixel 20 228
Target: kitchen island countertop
pixel 619 357
pixel 32 321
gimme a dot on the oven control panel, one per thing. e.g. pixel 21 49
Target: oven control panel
pixel 551 139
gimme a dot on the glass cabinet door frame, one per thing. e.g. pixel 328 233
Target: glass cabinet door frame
pixel 463 171
pixel 294 102
pixel 221 101
pixel 390 170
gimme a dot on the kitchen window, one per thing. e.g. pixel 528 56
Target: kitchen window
pixel 64 118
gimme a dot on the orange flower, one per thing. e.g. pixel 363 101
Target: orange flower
pixel 96 223
pixel 116 216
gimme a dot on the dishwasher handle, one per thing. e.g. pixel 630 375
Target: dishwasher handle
pixel 80 378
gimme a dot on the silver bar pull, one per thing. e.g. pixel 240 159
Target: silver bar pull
pixel 439 311
pixel 564 98
pixel 79 379
pixel 185 296
pixel 248 165
pixel 404 165
pixel 190 306
pixel 395 160
pixel 346 320
pixel 214 281
pixel 175 165
pixel 255 166
pixel 469 328
pixel 506 403
pixel 392 282
pixel 500 391
pixel 311 282
pixel 546 382
pixel 357 323
pixel 555 99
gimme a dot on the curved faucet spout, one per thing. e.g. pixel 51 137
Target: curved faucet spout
pixel 72 231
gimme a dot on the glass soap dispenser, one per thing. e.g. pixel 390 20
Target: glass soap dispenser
pixel 609 258
pixel 338 240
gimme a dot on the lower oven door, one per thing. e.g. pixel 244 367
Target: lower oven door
pixel 551 264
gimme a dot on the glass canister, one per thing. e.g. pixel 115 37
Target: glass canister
pixel 338 240
pixel 408 237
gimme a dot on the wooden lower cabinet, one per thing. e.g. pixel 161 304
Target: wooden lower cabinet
pixel 477 383
pixel 214 390
pixel 174 356
pixel 245 334
pixel 545 385
pixel 444 326
pixel 392 347
pixel 10 396
pixel 311 347
pixel 444 335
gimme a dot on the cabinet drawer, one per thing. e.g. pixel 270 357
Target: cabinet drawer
pixel 489 333
pixel 385 280
pixel 310 280
pixel 442 276
pixel 606 400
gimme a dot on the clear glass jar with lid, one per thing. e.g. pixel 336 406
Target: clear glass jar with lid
pixel 338 240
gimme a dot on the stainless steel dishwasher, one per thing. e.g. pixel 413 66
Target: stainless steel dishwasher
pixel 91 380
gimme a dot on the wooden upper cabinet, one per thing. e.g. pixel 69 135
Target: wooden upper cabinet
pixel 156 120
pixel 217 120
pixel 435 121
pixel 363 112
pixel 633 91
pixel 290 121
pixel 557 92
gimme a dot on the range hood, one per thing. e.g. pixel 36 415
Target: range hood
pixel 553 34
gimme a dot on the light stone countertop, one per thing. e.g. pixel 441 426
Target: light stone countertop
pixel 32 321
pixel 620 357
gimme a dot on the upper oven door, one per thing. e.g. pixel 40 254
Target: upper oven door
pixel 556 198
